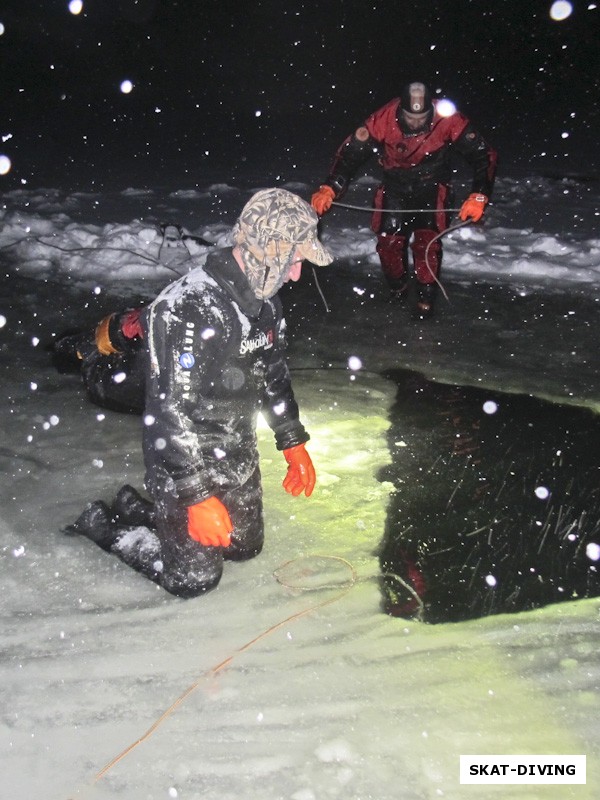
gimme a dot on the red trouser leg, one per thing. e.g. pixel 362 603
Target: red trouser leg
pixel 391 250
pixel 426 269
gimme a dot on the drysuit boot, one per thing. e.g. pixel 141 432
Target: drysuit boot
pixel 136 546
pixel 69 351
pixel 95 523
pixel 426 293
pixel 131 509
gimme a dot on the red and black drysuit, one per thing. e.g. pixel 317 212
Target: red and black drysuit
pixel 214 358
pixel 416 174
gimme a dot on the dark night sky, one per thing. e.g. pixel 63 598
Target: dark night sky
pixel 202 69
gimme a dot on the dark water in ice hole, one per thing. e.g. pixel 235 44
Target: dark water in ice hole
pixel 491 512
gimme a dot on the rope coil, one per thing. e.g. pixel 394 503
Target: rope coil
pixel 280 575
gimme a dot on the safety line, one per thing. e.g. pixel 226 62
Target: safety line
pixel 149 259
pixel 396 210
pixel 435 238
pixel 415 211
pixel 223 664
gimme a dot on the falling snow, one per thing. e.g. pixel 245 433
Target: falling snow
pixel 342 702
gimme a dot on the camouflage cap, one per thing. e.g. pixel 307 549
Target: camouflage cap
pixel 278 215
pixel 273 224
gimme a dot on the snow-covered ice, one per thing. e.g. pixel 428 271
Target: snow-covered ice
pixel 287 681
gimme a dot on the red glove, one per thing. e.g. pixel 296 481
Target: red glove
pixel 301 476
pixel 321 201
pixel 473 207
pixel 209 523
pixel 131 325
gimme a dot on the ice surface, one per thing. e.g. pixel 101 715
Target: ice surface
pixel 271 689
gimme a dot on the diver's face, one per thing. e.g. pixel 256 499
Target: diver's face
pixel 415 122
pixel 295 268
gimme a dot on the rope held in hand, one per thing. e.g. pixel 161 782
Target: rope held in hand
pixel 416 211
pixel 395 210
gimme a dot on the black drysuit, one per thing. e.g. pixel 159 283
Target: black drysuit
pixel 215 359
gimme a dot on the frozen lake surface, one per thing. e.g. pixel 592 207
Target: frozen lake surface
pixel 289 681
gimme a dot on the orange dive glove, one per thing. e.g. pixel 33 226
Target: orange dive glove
pixel 321 201
pixel 301 476
pixel 209 523
pixel 473 207
pixel 102 336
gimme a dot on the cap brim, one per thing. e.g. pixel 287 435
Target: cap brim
pixel 312 250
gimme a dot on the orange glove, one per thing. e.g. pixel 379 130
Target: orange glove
pixel 209 523
pixel 301 474
pixel 321 201
pixel 102 336
pixel 473 207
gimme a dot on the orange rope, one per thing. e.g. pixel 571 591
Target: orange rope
pixel 222 665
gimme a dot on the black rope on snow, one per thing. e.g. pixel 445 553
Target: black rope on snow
pixel 150 259
pixel 81 249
